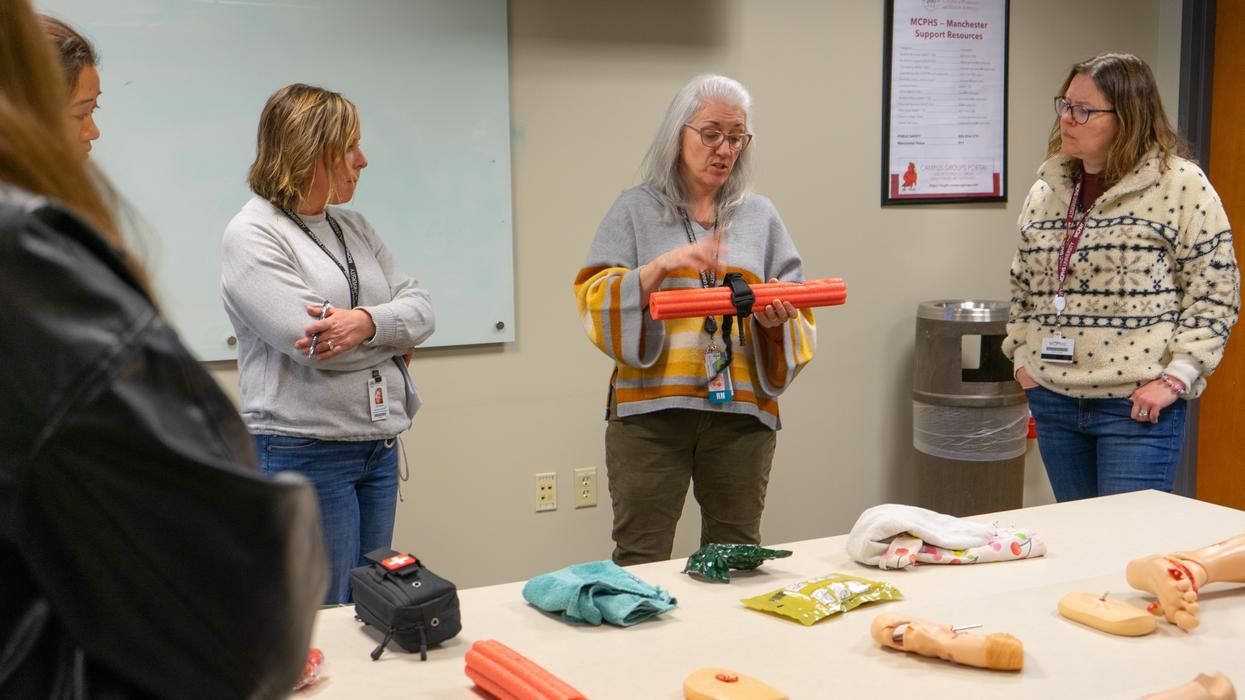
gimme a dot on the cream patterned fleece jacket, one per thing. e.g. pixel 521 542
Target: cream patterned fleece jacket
pixel 1153 285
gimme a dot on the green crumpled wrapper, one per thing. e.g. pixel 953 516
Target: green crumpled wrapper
pixel 809 601
pixel 713 562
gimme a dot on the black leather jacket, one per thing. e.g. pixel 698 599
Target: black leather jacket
pixel 141 553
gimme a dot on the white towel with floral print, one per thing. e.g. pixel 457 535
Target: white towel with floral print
pixel 1006 544
pixel 871 536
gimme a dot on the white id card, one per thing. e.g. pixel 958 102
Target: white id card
pixel 1058 349
pixel 720 388
pixel 378 397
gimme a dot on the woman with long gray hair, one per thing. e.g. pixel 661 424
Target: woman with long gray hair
pixel 682 408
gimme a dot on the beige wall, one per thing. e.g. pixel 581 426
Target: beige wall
pixel 588 85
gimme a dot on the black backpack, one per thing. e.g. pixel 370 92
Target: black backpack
pixel 412 606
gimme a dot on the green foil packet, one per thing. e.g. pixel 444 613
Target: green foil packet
pixel 810 601
pixel 713 562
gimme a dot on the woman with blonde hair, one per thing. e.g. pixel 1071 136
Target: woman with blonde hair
pixel 132 562
pixel 325 322
pixel 1124 286
pixel 80 64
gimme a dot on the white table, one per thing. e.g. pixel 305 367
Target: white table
pixel 1088 542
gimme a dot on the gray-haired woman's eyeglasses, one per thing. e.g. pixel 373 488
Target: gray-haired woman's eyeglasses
pixel 713 138
pixel 1079 113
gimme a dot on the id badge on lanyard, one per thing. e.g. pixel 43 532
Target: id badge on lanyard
pixel 721 390
pixel 1056 348
pixel 377 397
pixel 717 362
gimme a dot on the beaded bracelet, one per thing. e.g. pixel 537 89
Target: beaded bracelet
pixel 1172 383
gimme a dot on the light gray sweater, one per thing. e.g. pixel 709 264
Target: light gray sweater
pixel 660 364
pixel 271 270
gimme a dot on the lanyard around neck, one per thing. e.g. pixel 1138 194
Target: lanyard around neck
pixel 708 278
pixel 1073 230
pixel 349 271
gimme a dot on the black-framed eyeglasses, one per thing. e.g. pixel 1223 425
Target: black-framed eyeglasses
pixel 1079 113
pixel 713 138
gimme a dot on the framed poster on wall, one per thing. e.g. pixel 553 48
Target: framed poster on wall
pixel 944 101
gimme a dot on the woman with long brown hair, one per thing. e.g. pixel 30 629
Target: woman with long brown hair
pixel 1124 287
pixel 80 65
pixel 141 553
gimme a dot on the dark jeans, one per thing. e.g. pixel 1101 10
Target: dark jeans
pixel 357 485
pixel 650 459
pixel 1092 447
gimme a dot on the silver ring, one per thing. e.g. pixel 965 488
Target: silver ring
pixel 330 346
pixel 1144 413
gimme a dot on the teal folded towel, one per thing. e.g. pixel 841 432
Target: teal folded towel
pixel 597 591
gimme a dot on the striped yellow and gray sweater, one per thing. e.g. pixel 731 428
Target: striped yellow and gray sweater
pixel 1153 285
pixel 660 365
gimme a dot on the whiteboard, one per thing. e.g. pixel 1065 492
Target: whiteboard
pixel 184 82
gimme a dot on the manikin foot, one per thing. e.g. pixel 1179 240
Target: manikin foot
pixel 1204 687
pixel 1172 582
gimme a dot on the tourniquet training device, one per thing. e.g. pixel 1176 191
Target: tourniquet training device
pixel 718 301
pixel 504 673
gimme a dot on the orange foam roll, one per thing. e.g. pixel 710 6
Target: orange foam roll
pixel 508 675
pixel 716 301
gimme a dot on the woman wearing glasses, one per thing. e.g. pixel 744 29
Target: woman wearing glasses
pixel 691 221
pixel 1124 287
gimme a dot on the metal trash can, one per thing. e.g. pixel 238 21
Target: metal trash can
pixel 969 416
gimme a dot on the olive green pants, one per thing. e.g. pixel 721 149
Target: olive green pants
pixel 651 458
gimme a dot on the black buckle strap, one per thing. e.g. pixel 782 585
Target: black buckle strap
pixel 742 298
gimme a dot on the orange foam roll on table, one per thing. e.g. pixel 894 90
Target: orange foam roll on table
pixel 506 674
pixel 716 301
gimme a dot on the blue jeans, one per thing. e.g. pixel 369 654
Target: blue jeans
pixel 357 485
pixel 1091 447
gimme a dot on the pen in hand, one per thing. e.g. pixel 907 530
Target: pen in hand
pixel 324 312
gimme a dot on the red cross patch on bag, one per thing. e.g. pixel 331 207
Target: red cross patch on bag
pixel 399 561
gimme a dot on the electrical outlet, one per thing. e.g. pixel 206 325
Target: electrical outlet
pixel 546 491
pixel 586 487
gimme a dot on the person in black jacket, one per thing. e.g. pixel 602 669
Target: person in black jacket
pixel 141 553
